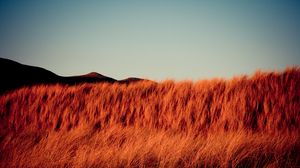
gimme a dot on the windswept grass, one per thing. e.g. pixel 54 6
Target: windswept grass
pixel 244 122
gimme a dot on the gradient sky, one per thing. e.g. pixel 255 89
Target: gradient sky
pixel 152 39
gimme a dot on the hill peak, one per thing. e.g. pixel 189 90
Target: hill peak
pixel 94 75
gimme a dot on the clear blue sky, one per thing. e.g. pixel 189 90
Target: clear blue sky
pixel 152 39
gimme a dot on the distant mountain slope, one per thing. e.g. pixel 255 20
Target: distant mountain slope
pixel 88 78
pixel 14 75
pixel 131 79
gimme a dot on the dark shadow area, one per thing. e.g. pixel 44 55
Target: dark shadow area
pixel 15 75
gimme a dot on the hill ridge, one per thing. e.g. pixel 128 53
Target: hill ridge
pixel 15 75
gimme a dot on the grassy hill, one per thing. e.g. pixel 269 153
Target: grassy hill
pixel 248 121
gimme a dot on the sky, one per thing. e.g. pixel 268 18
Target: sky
pixel 155 39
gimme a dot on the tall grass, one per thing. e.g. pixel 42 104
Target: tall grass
pixel 246 121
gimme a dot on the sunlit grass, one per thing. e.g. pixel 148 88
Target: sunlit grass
pixel 247 121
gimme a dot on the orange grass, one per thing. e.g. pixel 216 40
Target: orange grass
pixel 244 122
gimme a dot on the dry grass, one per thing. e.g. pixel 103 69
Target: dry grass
pixel 244 122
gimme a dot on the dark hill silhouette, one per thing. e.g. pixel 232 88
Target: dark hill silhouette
pixel 15 75
pixel 131 79
pixel 88 78
pixel 93 75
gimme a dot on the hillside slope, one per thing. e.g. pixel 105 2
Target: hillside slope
pixel 244 122
pixel 14 75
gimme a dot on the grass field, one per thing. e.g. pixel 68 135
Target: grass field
pixel 248 121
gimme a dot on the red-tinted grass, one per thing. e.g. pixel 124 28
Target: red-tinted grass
pixel 246 121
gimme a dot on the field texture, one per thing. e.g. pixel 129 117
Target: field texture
pixel 248 121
